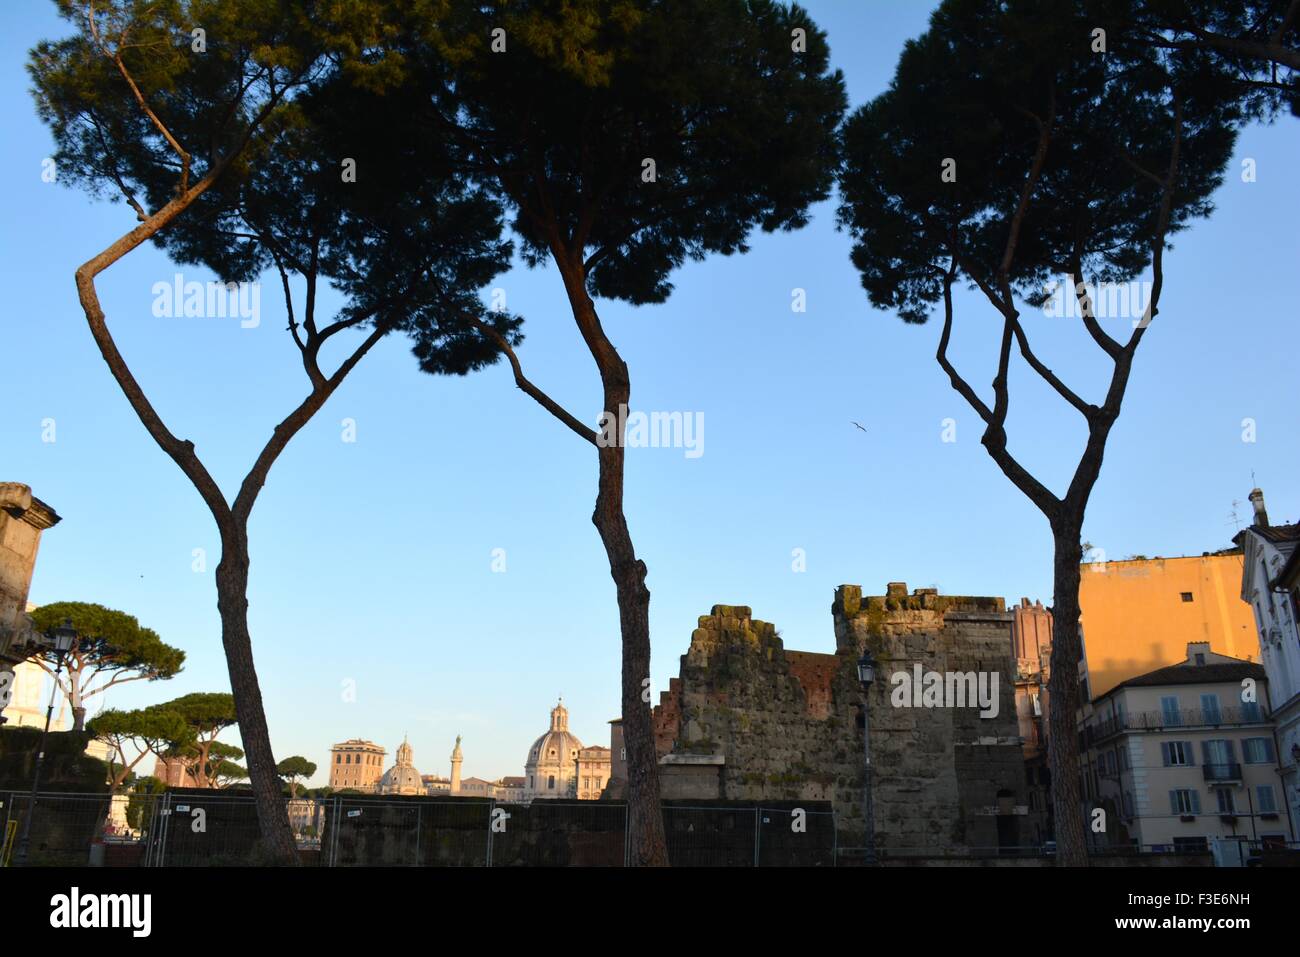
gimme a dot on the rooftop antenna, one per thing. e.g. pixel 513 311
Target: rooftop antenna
pixel 1233 514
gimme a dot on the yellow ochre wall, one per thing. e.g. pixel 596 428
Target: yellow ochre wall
pixel 1134 619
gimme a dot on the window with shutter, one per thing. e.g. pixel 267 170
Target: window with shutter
pixel 1210 708
pixel 1257 750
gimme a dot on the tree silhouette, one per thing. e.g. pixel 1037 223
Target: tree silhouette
pixel 1010 150
pixel 220 153
pixel 626 138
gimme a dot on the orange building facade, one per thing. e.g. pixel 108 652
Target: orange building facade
pixel 1139 615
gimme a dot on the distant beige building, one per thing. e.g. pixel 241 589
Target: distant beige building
pixel 435 785
pixel 356 764
pixel 592 772
pixel 511 789
pixel 1185 754
pixel 305 817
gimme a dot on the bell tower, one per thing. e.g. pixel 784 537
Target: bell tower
pixel 559 717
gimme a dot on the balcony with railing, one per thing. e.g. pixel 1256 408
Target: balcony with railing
pixel 1183 719
pixel 1221 773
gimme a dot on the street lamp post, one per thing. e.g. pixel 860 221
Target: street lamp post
pixel 866 676
pixel 63 639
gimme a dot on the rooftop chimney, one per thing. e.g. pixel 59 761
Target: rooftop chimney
pixel 1257 500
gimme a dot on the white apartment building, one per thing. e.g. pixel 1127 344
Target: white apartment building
pixel 1183 755
pixel 1270 583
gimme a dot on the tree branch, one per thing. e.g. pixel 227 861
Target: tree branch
pixel 1108 344
pixel 544 400
pixel 291 425
pixel 958 383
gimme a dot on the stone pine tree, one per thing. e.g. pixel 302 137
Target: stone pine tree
pixel 111 649
pixel 206 714
pixel 133 735
pixel 626 138
pixel 201 116
pixel 293 768
pixel 1016 144
pixel 220 769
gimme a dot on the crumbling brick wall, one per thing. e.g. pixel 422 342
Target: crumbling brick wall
pixel 788 723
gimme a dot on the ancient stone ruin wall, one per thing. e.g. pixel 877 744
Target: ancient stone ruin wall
pixel 776 718
pixel 23 518
pixel 786 725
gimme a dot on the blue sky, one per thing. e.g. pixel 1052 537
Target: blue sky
pixel 372 560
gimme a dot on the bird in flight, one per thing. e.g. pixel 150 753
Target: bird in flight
pixel 859 426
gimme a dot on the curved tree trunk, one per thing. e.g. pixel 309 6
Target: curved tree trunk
pixel 645 814
pixel 232 605
pixel 1063 699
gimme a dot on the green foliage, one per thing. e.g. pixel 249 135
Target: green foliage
pixel 296 767
pixel 410 252
pixel 132 735
pixel 220 750
pixel 209 92
pixel 293 768
pixel 974 89
pixel 223 773
pixel 206 713
pixel 740 127
pixel 1256 41
pixel 140 800
pixel 155 725
pixel 273 104
pixel 110 640
pixel 66 766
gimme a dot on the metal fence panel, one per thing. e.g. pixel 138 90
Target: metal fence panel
pixel 559 834
pixel 711 836
pixel 212 828
pixel 62 826
pixel 796 837
pixel 412 832
pixel 208 830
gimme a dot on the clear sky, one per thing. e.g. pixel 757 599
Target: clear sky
pixel 372 560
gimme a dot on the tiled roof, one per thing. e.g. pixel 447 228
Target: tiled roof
pixel 1277 534
pixel 1185 674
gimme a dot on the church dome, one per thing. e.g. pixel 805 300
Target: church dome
pixel 554 747
pixel 402 777
pixel 401 780
pixel 557 747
